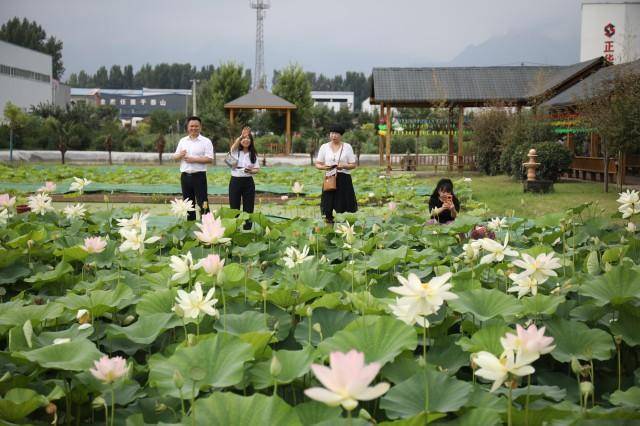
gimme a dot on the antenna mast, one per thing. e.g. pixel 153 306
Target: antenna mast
pixel 259 77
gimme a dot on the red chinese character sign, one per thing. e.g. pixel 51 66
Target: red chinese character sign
pixel 609 50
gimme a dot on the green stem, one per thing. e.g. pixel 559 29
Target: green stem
pixel 113 406
pixel 509 406
pixel 526 404
pixel 106 414
pixel 619 366
pixel 593 382
pixel 275 387
pixel 224 310
pixel 193 400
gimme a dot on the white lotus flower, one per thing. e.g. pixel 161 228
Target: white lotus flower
pixel 180 208
pixel 136 222
pixel 467 179
pixel 211 264
pixel 497 251
pixel 297 188
pixel 94 245
pixel 540 268
pixel 295 257
pixel 498 369
pixel 371 195
pixel 194 303
pixel 471 250
pixel 182 266
pixel 407 312
pixel 497 223
pixel 211 230
pixel 629 203
pixel 347 232
pixel 524 285
pixel 40 204
pixel 78 184
pixel 4 216
pixel 424 298
pixel 76 211
pixel 136 239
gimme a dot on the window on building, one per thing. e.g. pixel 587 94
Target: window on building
pixel 112 101
pixel 152 102
pixel 103 101
pixel 163 102
pixel 133 102
pixel 123 101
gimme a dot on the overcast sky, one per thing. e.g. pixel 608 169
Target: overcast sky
pixel 328 36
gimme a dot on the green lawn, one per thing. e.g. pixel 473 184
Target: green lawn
pixel 504 195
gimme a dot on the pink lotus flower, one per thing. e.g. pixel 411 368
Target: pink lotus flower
pixel 211 230
pixel 529 343
pixel 94 245
pixel 7 201
pixel 392 206
pixel 48 187
pixel 346 380
pixel 211 264
pixel 108 370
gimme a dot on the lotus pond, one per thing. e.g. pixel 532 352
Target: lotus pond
pixel 113 316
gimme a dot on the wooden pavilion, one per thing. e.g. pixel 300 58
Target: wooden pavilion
pixel 564 108
pixel 465 87
pixel 262 99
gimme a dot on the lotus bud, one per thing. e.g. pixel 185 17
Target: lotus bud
pixel 575 365
pixel 264 285
pixel 276 367
pixel 421 362
pixel 586 389
pixel 178 380
pixel 98 402
pixel 309 311
pixel 128 319
pixel 30 243
pixel 160 407
pixel 6 376
pixel 267 231
pixel 364 415
pixel 51 408
pixel 618 339
pixel 318 329
pixel 83 316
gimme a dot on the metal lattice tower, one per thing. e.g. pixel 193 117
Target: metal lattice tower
pixel 259 77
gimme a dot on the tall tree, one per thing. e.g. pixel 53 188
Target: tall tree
pixel 29 34
pixel 128 77
pixel 101 78
pixel 294 86
pixel 116 78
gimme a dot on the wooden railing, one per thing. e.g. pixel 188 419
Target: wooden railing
pixel 433 160
pixel 592 167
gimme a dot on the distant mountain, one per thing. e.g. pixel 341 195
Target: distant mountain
pixel 515 48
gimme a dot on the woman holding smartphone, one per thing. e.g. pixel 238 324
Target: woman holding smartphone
pixel 443 204
pixel 337 157
pixel 242 189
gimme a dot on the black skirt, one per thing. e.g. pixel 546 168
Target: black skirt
pixel 343 199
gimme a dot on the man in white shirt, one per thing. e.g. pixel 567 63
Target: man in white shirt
pixel 194 152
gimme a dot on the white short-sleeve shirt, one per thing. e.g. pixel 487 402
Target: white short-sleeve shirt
pixel 198 147
pixel 330 158
pixel 244 160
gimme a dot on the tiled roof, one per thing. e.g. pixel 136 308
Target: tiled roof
pixel 260 99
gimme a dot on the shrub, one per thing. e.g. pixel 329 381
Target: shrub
pixel 435 142
pixel 488 130
pixel 554 160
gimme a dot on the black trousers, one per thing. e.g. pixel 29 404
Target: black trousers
pixel 242 190
pixel 194 187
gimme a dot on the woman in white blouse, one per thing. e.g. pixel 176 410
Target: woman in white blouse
pixel 242 189
pixel 337 157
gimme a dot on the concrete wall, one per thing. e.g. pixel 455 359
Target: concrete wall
pixel 621 47
pixel 24 91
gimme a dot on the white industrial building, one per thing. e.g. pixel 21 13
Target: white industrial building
pixel 610 29
pixel 334 100
pixel 25 78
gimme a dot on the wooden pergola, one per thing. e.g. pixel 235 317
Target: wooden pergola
pixel 262 99
pixel 468 87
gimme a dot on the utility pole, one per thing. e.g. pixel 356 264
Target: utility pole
pixel 193 95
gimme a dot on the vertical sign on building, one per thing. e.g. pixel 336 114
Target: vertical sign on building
pixel 609 49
